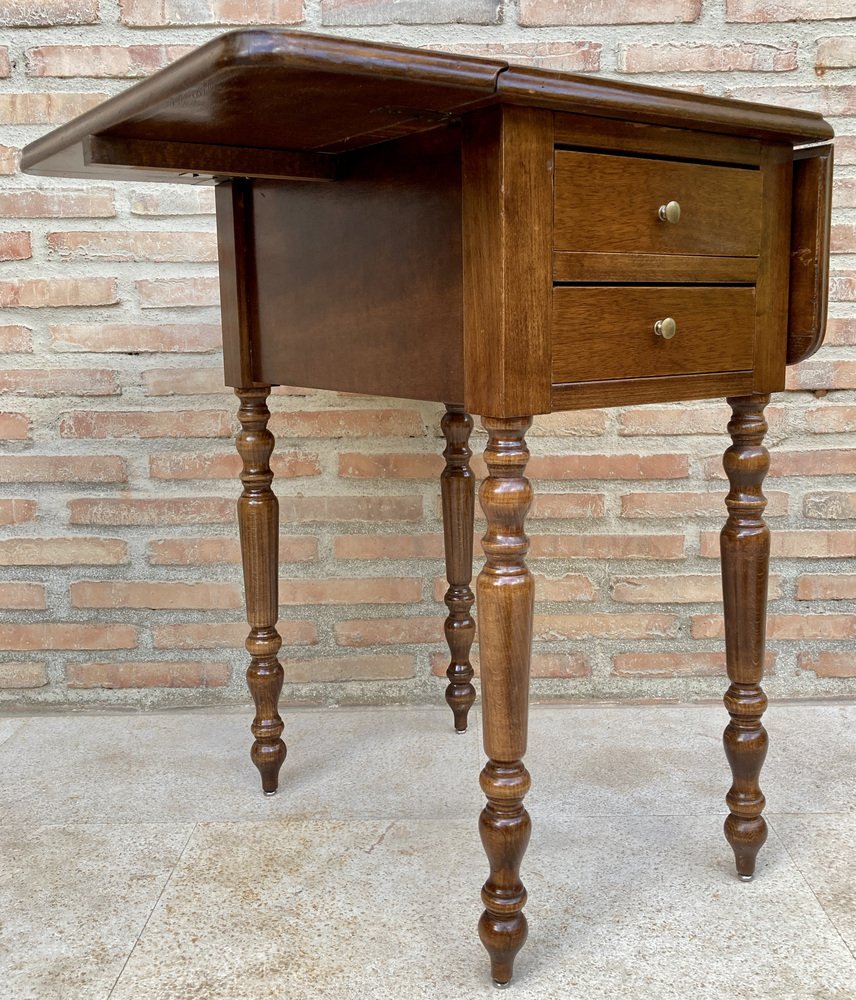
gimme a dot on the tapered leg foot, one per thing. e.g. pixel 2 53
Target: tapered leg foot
pixel 457 484
pixel 505 596
pixel 745 548
pixel 258 523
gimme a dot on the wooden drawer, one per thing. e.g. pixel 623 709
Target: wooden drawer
pixel 609 204
pixel 607 332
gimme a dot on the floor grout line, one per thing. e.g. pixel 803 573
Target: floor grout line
pixel 151 912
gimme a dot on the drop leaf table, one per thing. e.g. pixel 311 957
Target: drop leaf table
pixel 509 242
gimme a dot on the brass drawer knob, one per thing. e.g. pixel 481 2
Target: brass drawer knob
pixel 666 328
pixel 670 212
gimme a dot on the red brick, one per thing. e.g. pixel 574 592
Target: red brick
pixel 24 674
pixel 14 427
pixel 47 13
pixel 177 293
pixel 350 508
pixel 288 464
pixel 842 284
pixel 570 588
pixel 228 635
pixel 831 419
pixel 188 381
pixel 561 506
pixel 15 246
pixel 814 375
pixel 542 664
pixel 843 238
pixel 155 13
pixel 419 546
pixel 836 506
pixel 787 10
pixel 684 420
pixel 17 511
pixel 329 669
pixel 828 664
pixel 16 339
pixel 134 246
pixel 148 674
pixel 794 544
pixel 221 549
pixel 45 109
pixel 358 465
pixel 174 200
pixel 9 159
pixel 33 293
pixel 843 190
pixel 389 631
pixel 139 338
pixel 358 12
pixel 338 590
pixel 125 61
pixel 605 626
pixel 826 100
pixel 609 467
pixel 62 204
pixel 62 469
pixel 673 58
pixel 155 512
pixel 59 382
pixel 145 424
pixel 607 547
pixel 700 588
pixel 156 595
pixel 688 503
pixel 536 13
pixel 561 57
pixel 567 424
pixel 784 627
pixel 827 587
pixel 348 423
pixel 82 550
pixel 61 635
pixel 21 596
pixel 819 462
pixel 668 664
pixel 845 149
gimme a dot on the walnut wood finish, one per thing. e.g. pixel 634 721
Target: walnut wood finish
pixel 258 522
pixel 505 601
pixel 745 548
pixel 458 489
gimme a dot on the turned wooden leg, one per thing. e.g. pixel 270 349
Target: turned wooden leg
pixel 258 522
pixel 505 601
pixel 745 547
pixel 458 487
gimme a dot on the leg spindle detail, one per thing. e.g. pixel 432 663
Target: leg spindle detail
pixel 258 523
pixel 745 547
pixel 457 484
pixel 505 596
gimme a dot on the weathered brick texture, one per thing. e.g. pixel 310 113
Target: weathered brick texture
pixel 121 578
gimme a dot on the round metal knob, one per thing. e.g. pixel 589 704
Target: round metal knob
pixel 670 212
pixel 666 328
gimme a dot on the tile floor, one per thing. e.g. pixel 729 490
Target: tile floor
pixel 139 861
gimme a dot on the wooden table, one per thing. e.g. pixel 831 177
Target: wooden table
pixel 509 242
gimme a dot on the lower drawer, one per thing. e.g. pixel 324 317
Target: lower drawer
pixel 608 332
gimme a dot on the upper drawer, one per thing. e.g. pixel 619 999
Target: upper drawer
pixel 611 204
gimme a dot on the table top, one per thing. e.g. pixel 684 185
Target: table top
pixel 282 103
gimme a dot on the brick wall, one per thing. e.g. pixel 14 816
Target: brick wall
pixel 121 580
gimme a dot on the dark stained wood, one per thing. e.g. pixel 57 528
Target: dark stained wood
pixel 458 489
pixel 507 186
pixel 771 322
pixel 745 547
pixel 608 332
pixel 198 159
pixel 258 522
pixel 610 204
pixel 236 253
pixel 505 602
pixel 809 275
pixel 611 268
pixel 358 283
pixel 585 132
pixel 633 391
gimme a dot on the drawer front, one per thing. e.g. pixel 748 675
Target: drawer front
pixel 607 332
pixel 610 204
